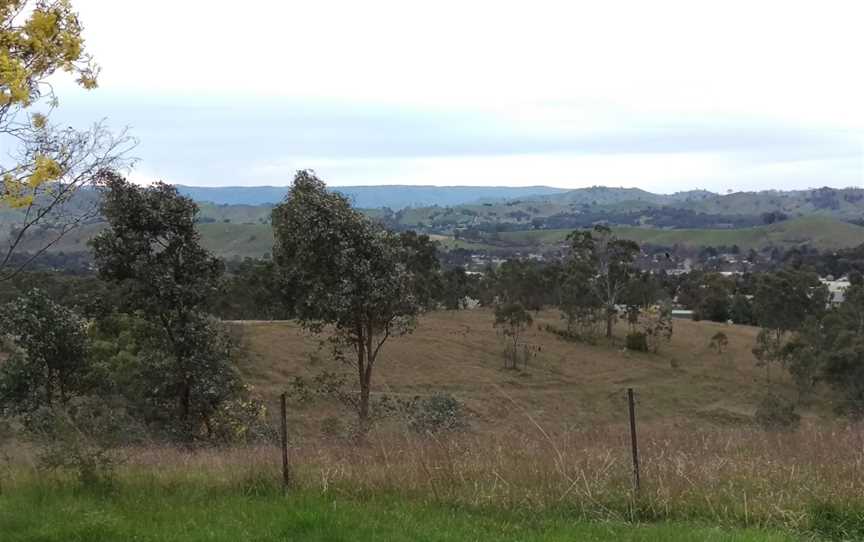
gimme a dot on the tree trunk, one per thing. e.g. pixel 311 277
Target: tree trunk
pixel 185 400
pixel 363 410
pixel 362 361
pixel 609 315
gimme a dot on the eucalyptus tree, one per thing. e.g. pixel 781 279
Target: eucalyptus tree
pixel 600 266
pixel 49 363
pixel 346 272
pixel 152 252
pixel 782 303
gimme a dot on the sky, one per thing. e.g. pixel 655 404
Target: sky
pixel 660 95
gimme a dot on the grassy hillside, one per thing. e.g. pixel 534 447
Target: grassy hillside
pixel 233 240
pixel 819 232
pixel 565 385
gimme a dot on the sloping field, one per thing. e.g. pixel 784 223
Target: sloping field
pixel 819 232
pixel 566 384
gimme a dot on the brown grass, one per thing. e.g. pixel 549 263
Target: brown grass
pixel 729 476
pixel 566 386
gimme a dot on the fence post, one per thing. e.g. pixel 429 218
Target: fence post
pixel 286 473
pixel 632 405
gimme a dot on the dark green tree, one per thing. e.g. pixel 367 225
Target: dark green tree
pixel 782 303
pixel 348 273
pixel 840 348
pixel 152 251
pixel 605 263
pixel 421 261
pixel 49 363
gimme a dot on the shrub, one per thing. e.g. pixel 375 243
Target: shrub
pixel 719 342
pixel 81 437
pixel 777 413
pixel 572 335
pixel 435 414
pixel 334 428
pixel 637 341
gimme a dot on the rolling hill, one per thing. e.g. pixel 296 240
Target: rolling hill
pixel 565 384
pixel 819 232
pixel 232 240
pixel 393 196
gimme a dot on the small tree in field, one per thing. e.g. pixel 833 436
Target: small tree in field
pixel 347 272
pixel 605 264
pixel 512 319
pixel 719 342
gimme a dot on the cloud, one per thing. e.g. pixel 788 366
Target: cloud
pixel 760 94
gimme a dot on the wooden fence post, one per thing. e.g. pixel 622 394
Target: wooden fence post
pixel 632 404
pixel 286 473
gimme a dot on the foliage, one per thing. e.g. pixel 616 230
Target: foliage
pixel 456 287
pixel 82 436
pixel 637 341
pixel 512 320
pixel 657 325
pixel 330 386
pixel 435 414
pixel 348 273
pixel 777 413
pixel 719 341
pixel 252 290
pixel 152 251
pixel 839 342
pixel 604 264
pixel 784 300
pixel 47 164
pixel 580 306
pixel 49 364
pixel 420 256
pixel 782 303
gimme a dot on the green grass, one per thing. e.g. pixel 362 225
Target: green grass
pixel 148 511
pixel 819 232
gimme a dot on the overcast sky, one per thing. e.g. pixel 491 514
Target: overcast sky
pixel 661 95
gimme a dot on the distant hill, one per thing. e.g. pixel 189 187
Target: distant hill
pixel 371 197
pixel 499 217
pixel 818 232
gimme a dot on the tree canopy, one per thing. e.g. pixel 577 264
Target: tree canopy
pixel 347 272
pixel 47 164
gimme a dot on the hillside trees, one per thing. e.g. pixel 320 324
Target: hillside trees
pixel 782 303
pixel 45 165
pixel 347 272
pixel 839 349
pixel 604 264
pixel 152 251
pixel 50 362
pixel 512 319
pixel 421 261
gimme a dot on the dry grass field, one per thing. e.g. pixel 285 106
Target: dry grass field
pixel 566 386
pixel 546 444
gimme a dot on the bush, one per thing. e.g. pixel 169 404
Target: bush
pixel 435 414
pixel 777 413
pixel 571 335
pixel 334 428
pixel 81 437
pixel 637 341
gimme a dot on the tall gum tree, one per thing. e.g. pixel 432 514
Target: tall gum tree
pixel 345 272
pixel 603 264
